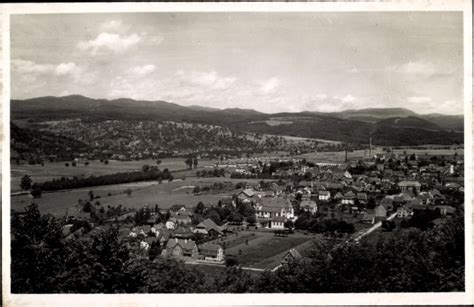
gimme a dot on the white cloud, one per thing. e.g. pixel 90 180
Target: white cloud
pixel 66 69
pixel 113 42
pixel 24 66
pixel 209 79
pixel 348 98
pixel 144 70
pixel 353 70
pixel 418 99
pixel 270 85
pixel 418 68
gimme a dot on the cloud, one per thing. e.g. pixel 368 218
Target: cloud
pixel 144 70
pixel 24 66
pixel 353 70
pixel 210 79
pixel 348 98
pixel 112 42
pixel 270 85
pixel 418 99
pixel 416 68
pixel 66 69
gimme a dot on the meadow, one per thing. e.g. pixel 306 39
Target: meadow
pixel 58 169
pixel 149 193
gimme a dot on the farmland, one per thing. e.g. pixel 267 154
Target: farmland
pixel 58 169
pixel 164 195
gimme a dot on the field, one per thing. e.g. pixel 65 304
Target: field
pixel 265 250
pixel 149 193
pixel 58 169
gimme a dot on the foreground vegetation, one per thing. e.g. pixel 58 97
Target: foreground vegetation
pixel 411 260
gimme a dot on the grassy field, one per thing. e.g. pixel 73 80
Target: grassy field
pixel 267 250
pixel 58 169
pixel 150 193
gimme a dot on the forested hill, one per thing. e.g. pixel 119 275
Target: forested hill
pixel 392 126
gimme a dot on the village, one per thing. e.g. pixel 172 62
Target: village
pixel 260 224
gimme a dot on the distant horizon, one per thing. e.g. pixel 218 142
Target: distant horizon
pixel 288 62
pixel 239 108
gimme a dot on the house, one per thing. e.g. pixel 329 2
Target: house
pixel 146 243
pixel 380 211
pixel 277 222
pixel 404 212
pixel 208 227
pixel 324 195
pixel 362 197
pixel 180 248
pixel 247 195
pixel 348 198
pixel 406 185
pixel 387 202
pixel 211 252
pixel 163 235
pixel 309 206
pixel 183 233
pixel 446 210
pixel 140 230
pixel 425 198
pixel 291 255
pixel 269 208
pixel 367 218
pixel 171 223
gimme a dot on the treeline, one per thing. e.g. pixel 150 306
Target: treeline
pixel 117 178
pixel 410 260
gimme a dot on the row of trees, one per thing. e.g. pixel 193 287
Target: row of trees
pixel 410 260
pixel 117 178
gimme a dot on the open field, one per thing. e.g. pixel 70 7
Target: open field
pixel 150 193
pixel 266 250
pixel 58 169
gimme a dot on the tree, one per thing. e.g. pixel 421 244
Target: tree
pixel 128 192
pixel 252 220
pixel 199 208
pixel 26 182
pixel 158 162
pixel 155 250
pixel 74 163
pixel 36 191
pixel 145 168
pixel 195 162
pixel 189 162
pixel 289 224
pixel 197 190
pixel 91 195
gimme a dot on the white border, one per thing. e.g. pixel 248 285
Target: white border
pixel 237 299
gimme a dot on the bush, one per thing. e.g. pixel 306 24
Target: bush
pixel 231 261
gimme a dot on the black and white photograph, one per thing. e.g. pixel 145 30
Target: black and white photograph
pixel 240 151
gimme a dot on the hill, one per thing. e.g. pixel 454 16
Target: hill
pixel 353 126
pixel 407 122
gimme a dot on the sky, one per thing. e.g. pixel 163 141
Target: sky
pixel 267 61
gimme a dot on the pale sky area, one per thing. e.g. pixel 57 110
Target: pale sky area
pixel 270 62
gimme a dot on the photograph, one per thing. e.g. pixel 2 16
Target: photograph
pixel 236 152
